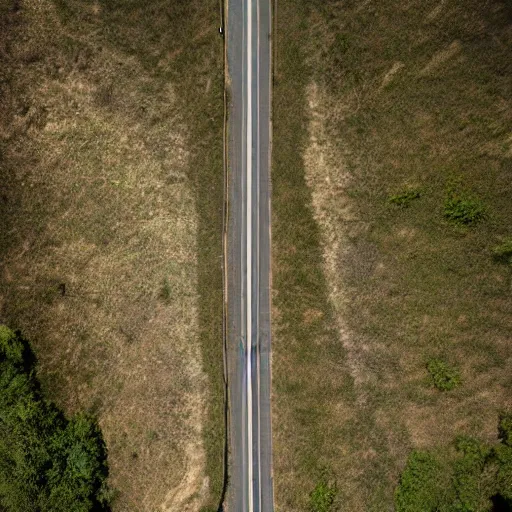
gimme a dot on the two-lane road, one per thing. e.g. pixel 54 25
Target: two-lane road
pixel 249 334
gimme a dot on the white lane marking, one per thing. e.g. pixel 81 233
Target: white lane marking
pixel 242 290
pixel 249 251
pixel 258 245
pixel 242 296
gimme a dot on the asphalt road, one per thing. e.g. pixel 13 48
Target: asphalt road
pixel 248 251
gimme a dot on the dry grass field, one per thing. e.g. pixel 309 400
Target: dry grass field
pixel 110 208
pixel 376 102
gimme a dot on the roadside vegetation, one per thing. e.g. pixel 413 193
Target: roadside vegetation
pixel 110 229
pixel 392 220
pixel 469 476
pixel 48 463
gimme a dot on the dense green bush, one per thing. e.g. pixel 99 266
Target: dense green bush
pixel 472 492
pixel 463 209
pixel 47 463
pixel 505 429
pixel 473 481
pixel 503 455
pixel 444 376
pixel 420 488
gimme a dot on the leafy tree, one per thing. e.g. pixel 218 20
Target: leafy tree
pixel 420 487
pixel 472 490
pixel 503 455
pixel 47 462
pixel 505 429
pixel 477 478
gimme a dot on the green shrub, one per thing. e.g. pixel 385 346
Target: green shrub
pixel 503 455
pixel 444 376
pixel 472 448
pixel 404 199
pixel 474 480
pixel 11 347
pixel 472 492
pixel 47 463
pixel 420 488
pixel 503 252
pixel 463 209
pixel 322 497
pixel 505 428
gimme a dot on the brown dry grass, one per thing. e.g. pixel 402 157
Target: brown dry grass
pixel 393 97
pixel 98 194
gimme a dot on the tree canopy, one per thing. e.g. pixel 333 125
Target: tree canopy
pixel 476 478
pixel 47 462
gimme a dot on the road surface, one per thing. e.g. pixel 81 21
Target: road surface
pixel 248 252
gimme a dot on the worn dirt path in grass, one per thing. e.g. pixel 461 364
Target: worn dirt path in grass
pixel 335 214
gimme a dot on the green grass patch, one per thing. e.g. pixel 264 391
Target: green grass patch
pixel 166 291
pixel 405 198
pixel 323 496
pixel 463 209
pixel 503 252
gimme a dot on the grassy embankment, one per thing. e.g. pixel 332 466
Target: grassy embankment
pixel 375 101
pixel 111 165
